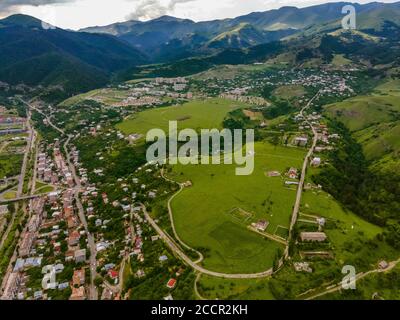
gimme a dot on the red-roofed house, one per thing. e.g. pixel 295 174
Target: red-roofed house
pixel 171 283
pixel 113 274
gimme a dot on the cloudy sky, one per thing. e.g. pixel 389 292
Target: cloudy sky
pixel 75 14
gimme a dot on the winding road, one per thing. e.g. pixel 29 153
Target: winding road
pixel 178 251
pixel 171 217
pixel 175 248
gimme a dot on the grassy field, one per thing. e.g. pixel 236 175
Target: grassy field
pixel 347 232
pixel 340 60
pixel 10 165
pixel 229 72
pixel 349 225
pixel 9 195
pixel 45 189
pixel 379 286
pixel 380 139
pixel 391 87
pixel 290 91
pixel 361 112
pixel 80 97
pixel 374 120
pixel 227 289
pixel 195 115
pixel 215 212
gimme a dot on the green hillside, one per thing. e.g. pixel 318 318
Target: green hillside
pixel 374 121
pixel 75 61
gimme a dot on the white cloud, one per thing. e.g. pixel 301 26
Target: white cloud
pixel 75 14
pixel 150 9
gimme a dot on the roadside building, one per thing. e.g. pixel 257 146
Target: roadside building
pixel 78 278
pixel 26 244
pixel 316 162
pixel 313 236
pixel 3 210
pixel 80 256
pixel 78 294
pixel 300 141
pixel 261 225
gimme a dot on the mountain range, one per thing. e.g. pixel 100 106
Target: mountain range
pixel 160 37
pixel 90 58
pixel 32 55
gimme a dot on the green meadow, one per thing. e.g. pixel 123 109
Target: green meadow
pixel 350 236
pixel 212 288
pixel 391 87
pixel 199 114
pixel 290 92
pixel 340 60
pixel 215 212
pixel 378 286
pixel 361 112
pixel 374 121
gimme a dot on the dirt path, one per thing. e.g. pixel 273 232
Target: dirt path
pixel 171 217
pixel 359 276
pixel 196 291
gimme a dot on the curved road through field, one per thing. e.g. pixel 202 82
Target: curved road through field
pixel 171 217
pixel 178 251
pixel 174 247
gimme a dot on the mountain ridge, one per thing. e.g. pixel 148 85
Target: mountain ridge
pixel 150 36
pixel 33 55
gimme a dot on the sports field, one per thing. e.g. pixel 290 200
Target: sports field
pixel 215 212
pixel 204 114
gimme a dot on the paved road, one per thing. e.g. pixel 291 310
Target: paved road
pixel 15 253
pixel 21 178
pixel 46 117
pixel 26 156
pixel 93 294
pixel 81 212
pixel 198 268
pixel 26 197
pixel 296 208
pixel 34 177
